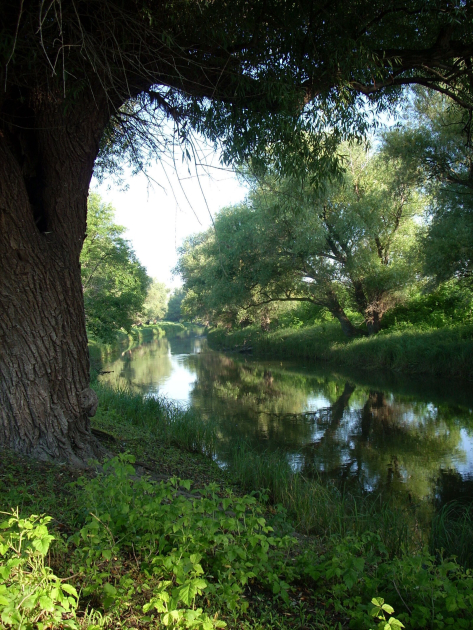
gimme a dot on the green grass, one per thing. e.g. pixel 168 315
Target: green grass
pixel 452 532
pixel 445 351
pixel 159 418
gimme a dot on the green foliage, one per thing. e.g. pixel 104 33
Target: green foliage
pixel 187 543
pixel 146 554
pixel 447 351
pixel 300 314
pixel 174 313
pixel 379 611
pixel 31 596
pixel 435 594
pixel 316 507
pixel 281 81
pixel 435 142
pixel 427 593
pixel 452 532
pixel 350 243
pixel 449 304
pixel 176 329
pixel 156 302
pixel 114 281
pixel 161 418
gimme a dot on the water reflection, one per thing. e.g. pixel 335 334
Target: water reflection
pixel 416 441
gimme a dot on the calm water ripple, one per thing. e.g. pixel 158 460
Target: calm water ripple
pixel 379 431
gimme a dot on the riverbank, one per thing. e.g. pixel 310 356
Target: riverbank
pixel 442 352
pixel 138 550
pixel 100 351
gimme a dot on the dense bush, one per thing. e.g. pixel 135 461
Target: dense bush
pixel 185 559
pixel 449 304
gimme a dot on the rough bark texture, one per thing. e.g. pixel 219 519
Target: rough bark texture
pixel 45 400
pixel 373 322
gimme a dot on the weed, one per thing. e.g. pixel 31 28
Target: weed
pixel 30 594
pixel 320 508
pixel 452 532
pixel 159 418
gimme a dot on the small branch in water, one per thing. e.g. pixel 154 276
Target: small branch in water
pixel 302 414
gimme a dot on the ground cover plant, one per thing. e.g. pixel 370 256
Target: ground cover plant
pixel 131 545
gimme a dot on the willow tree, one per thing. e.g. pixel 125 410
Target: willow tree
pixel 86 78
pixel 436 139
pixel 351 242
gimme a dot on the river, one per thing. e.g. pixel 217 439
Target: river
pixel 380 431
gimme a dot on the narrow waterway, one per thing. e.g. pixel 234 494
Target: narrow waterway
pixel 380 431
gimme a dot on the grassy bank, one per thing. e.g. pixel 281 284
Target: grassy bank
pixel 134 547
pixel 444 351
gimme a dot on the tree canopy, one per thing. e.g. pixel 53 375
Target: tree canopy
pixel 156 302
pixel 240 72
pixel 436 141
pixel 115 283
pixel 348 243
pixel 174 313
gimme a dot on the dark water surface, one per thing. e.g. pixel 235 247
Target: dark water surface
pixel 381 431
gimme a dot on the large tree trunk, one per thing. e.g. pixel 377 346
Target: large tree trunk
pixel 45 400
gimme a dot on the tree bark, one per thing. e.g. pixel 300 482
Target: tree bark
pixel 373 321
pixel 45 399
pixel 337 311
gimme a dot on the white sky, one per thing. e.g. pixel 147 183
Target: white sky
pixel 158 216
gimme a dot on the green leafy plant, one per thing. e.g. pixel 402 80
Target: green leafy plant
pixel 187 543
pixel 379 611
pixel 30 594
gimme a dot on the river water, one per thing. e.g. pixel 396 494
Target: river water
pixel 413 436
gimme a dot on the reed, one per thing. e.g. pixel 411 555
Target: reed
pixel 160 418
pixel 452 533
pixel 320 508
pixel 446 351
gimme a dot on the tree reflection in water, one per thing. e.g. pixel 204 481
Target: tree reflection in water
pixel 352 429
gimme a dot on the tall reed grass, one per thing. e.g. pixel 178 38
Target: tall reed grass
pixel 452 532
pixel 321 508
pixel 160 418
pixel 447 351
